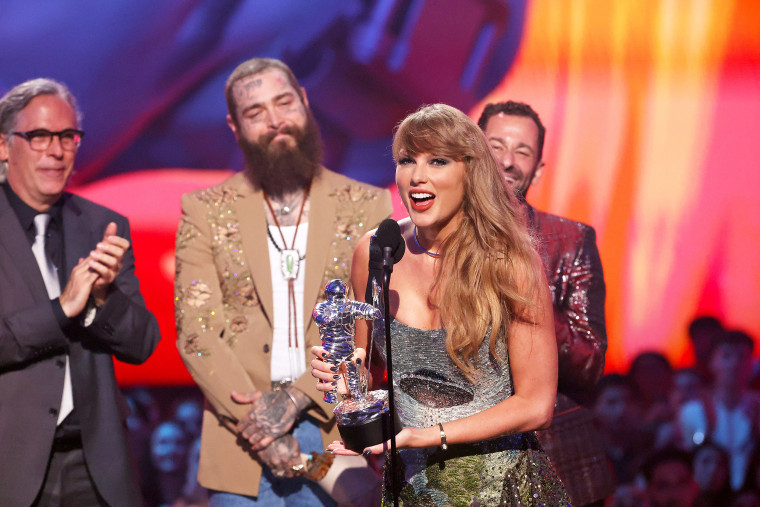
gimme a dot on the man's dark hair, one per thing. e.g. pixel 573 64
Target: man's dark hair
pixel 612 380
pixel 706 323
pixel 651 357
pixel 665 455
pixel 735 338
pixel 691 371
pixel 513 108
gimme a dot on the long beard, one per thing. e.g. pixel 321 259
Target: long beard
pixel 278 170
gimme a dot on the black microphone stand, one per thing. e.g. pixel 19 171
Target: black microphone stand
pixel 387 270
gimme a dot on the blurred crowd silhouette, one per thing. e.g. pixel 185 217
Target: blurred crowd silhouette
pixel 164 430
pixel 688 436
pixel 673 436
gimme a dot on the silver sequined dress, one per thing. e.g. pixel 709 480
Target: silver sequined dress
pixel 428 389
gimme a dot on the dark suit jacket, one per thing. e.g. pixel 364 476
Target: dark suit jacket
pixel 32 351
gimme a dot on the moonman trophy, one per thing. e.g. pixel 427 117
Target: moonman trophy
pixel 363 418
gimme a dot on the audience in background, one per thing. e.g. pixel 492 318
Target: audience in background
pixel 619 426
pixel 169 448
pixel 651 376
pixel 669 478
pixel 703 332
pixel 746 498
pixel 711 473
pixel 692 440
pixel 193 493
pixel 188 413
pixel 628 495
pixel 728 414
pixel 688 385
pixel 752 474
pixel 143 417
pixel 164 427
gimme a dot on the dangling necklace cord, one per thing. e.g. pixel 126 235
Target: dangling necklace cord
pixel 292 331
pixel 277 247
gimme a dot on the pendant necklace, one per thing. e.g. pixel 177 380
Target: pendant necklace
pixel 285 209
pixel 290 262
pixel 289 267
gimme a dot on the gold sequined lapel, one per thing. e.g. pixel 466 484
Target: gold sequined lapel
pixel 250 214
pixel 321 234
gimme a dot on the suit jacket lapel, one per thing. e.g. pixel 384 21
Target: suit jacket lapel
pixel 321 234
pixel 77 238
pixel 15 249
pixel 252 219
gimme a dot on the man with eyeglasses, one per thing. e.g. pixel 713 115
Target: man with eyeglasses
pixel 40 139
pixel 69 303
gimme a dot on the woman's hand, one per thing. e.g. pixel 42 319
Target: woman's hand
pixel 330 376
pixel 337 447
pixel 406 438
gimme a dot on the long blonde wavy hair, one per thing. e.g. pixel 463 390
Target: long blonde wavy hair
pixel 489 265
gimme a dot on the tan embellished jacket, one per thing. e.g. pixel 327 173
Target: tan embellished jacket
pixel 224 307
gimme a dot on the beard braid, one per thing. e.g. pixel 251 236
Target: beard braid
pixel 279 170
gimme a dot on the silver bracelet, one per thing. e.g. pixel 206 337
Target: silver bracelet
pixel 292 398
pixel 444 445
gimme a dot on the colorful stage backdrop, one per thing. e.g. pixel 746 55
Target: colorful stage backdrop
pixel 652 110
pixel 653 117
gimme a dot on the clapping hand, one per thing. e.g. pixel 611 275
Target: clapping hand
pixel 106 260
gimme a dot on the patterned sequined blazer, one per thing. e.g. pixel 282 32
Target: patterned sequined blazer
pixel 224 307
pixel 574 273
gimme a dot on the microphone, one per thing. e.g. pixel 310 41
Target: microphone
pixel 393 246
pixel 386 248
pixel 391 242
pixel 375 268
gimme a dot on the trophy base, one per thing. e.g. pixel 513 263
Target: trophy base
pixel 365 421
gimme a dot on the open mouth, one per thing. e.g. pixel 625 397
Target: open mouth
pixel 51 171
pixel 282 135
pixel 511 177
pixel 420 201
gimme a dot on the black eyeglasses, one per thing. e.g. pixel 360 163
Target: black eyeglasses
pixel 40 139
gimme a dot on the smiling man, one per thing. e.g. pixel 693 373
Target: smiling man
pixel 574 272
pixel 69 304
pixel 253 256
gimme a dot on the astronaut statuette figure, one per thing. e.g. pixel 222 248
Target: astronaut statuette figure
pixel 336 318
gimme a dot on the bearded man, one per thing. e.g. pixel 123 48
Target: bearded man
pixel 253 256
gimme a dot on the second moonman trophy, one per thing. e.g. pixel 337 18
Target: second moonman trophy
pixel 363 418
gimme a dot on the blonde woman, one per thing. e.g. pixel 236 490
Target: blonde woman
pixel 474 353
